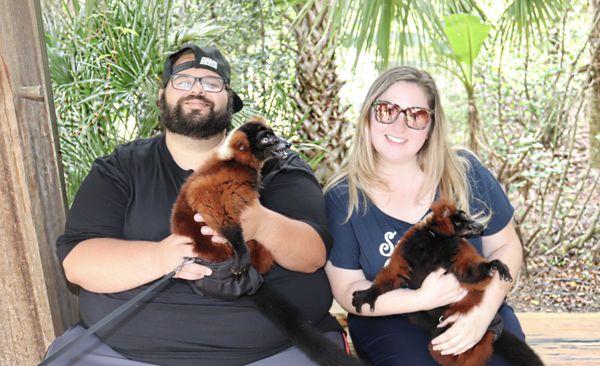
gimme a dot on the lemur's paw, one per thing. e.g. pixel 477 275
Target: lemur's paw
pixel 502 269
pixel 367 296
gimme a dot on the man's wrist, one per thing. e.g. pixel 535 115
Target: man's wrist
pixel 157 255
pixel 253 219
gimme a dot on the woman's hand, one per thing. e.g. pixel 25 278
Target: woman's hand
pixel 171 252
pixel 467 331
pixel 439 289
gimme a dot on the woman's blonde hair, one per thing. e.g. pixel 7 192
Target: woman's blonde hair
pixel 438 160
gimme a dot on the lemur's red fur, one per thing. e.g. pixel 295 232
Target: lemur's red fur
pixel 439 241
pixel 391 276
pixel 219 191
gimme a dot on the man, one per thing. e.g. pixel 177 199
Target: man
pixel 117 239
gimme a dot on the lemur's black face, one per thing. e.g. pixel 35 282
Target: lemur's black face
pixel 271 145
pixel 264 143
pixel 465 226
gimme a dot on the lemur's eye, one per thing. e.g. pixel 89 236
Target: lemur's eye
pixel 265 140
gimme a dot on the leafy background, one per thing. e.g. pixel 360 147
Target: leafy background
pixel 518 81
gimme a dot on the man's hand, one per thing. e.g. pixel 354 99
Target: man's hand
pixel 205 230
pixel 171 253
pixel 250 219
pixel 467 331
pixel 294 244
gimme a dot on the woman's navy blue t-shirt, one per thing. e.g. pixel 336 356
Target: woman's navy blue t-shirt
pixel 367 240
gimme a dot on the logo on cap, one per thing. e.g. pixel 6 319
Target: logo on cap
pixel 209 62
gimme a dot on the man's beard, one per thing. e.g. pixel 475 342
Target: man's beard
pixel 194 124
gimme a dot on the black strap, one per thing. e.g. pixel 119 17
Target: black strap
pixel 114 314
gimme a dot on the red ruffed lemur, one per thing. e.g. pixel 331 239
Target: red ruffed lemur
pixel 439 240
pixel 219 191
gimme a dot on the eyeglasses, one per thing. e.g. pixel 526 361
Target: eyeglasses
pixel 211 84
pixel 416 118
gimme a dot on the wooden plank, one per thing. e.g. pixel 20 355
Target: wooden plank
pixel 564 338
pixel 560 339
pixel 26 316
pixel 35 302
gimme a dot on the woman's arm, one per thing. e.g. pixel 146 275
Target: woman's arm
pixel 437 290
pixel 469 328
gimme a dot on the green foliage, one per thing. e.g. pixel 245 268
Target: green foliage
pixel 529 20
pixel 466 34
pixel 106 58
pixel 531 105
pixel 398 29
pixel 392 28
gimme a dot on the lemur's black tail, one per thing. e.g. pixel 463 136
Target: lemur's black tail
pixel 516 351
pixel 303 335
pixel 240 250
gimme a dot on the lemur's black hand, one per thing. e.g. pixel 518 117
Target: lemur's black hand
pixel 368 296
pixel 502 269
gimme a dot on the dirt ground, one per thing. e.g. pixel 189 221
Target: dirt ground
pixel 559 284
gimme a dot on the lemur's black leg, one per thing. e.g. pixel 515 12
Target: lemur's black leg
pixel 502 269
pixel 240 249
pixel 481 271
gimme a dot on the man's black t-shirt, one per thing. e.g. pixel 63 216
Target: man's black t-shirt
pixel 129 195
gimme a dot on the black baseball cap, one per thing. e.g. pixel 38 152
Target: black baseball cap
pixel 208 58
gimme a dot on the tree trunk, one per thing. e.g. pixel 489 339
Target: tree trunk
pixel 35 301
pixel 318 89
pixel 473 125
pixel 594 98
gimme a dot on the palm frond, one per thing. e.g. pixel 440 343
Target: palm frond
pixel 527 20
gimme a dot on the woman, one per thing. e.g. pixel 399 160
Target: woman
pixel 399 164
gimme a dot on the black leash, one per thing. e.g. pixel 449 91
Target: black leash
pixel 115 313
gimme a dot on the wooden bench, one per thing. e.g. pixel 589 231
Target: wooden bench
pixel 564 338
pixel 559 338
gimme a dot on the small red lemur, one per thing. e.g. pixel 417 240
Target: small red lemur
pixel 220 190
pixel 439 241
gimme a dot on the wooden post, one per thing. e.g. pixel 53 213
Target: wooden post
pixel 35 304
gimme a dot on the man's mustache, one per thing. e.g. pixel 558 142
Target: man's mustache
pixel 196 97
